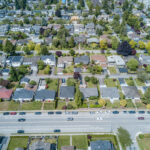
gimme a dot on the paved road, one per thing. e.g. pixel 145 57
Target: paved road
pixel 83 122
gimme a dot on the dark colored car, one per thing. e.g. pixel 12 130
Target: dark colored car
pixel 20 131
pixel 74 112
pixel 21 120
pixel 13 113
pixel 148 112
pixel 38 113
pixel 63 80
pixel 22 113
pixel 58 112
pixel 57 130
pixel 141 112
pixel 124 112
pixel 132 112
pixel 70 119
pixel 6 113
pixel 115 112
pixel 92 112
pixel 141 118
pixel 50 113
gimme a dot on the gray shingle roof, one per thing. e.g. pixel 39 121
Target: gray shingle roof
pixel 109 92
pixel 67 92
pixel 101 145
pixel 82 59
pixel 23 94
pixel 88 92
pixel 130 92
pixel 45 95
pixel 24 79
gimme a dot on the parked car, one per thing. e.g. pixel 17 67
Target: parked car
pixel 21 120
pixel 70 119
pixel 38 113
pixel 115 112
pixel 22 113
pixel 13 113
pixel 57 130
pixel 141 112
pixel 63 80
pixel 74 112
pixel 50 113
pixel 124 112
pixel 92 112
pixel 6 113
pixel 132 112
pixel 141 118
pixel 58 112
pixel 148 112
pixel 20 131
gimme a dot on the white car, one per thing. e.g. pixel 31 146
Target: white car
pixel 99 118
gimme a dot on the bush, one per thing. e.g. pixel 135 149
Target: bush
pixel 32 82
pixel 69 106
pixel 141 136
pixel 87 79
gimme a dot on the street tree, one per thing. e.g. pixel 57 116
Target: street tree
pixel 102 102
pixel 124 137
pixel 78 97
pixel 142 75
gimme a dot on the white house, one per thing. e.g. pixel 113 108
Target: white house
pixel 49 60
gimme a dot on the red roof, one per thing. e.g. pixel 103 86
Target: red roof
pixel 5 93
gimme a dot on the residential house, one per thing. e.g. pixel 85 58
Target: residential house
pixel 106 37
pixel 92 40
pixel 23 95
pixel 49 60
pixel 45 95
pixel 4 29
pixel 115 59
pixel 101 145
pixel 5 72
pixel 78 28
pixel 90 29
pixel 14 61
pixel 24 80
pixel 41 145
pixel 31 61
pixel 110 93
pixel 48 41
pixel 82 59
pixel 80 39
pixel 100 60
pixel 131 92
pixel 89 92
pixel 67 92
pixel 5 94
pixel 144 59
pixel 64 61
pixel 2 60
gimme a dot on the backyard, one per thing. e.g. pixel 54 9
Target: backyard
pixel 112 70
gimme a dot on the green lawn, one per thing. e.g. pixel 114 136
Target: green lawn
pixel 144 143
pixel 16 142
pixel 112 70
pixel 129 82
pixel 9 105
pixel 139 83
pixel 49 106
pixel 112 82
pixel 70 69
pixel 53 85
pixel 90 84
pixel 116 104
pixel 130 104
pixel 80 141
pixel 31 106
pixel 63 141
pixel 111 138
pixel 140 105
pixel 60 104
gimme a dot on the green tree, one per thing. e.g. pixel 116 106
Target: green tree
pixel 148 47
pixel 37 48
pixel 41 65
pixel 13 74
pixel 146 97
pixel 132 64
pixel 115 43
pixel 141 45
pixel 31 45
pixel 71 42
pixel 132 44
pixel 72 52
pixel 124 137
pixel 9 47
pixel 32 82
pixel 44 50
pixel 103 44
pixel 47 69
pixel 142 76
pixel 78 97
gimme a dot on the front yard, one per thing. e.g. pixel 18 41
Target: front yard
pixel 112 82
pixel 49 105
pixel 9 105
pixel 144 142
pixel 139 83
pixel 18 141
pixel 63 141
pixel 112 70
pixel 31 106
